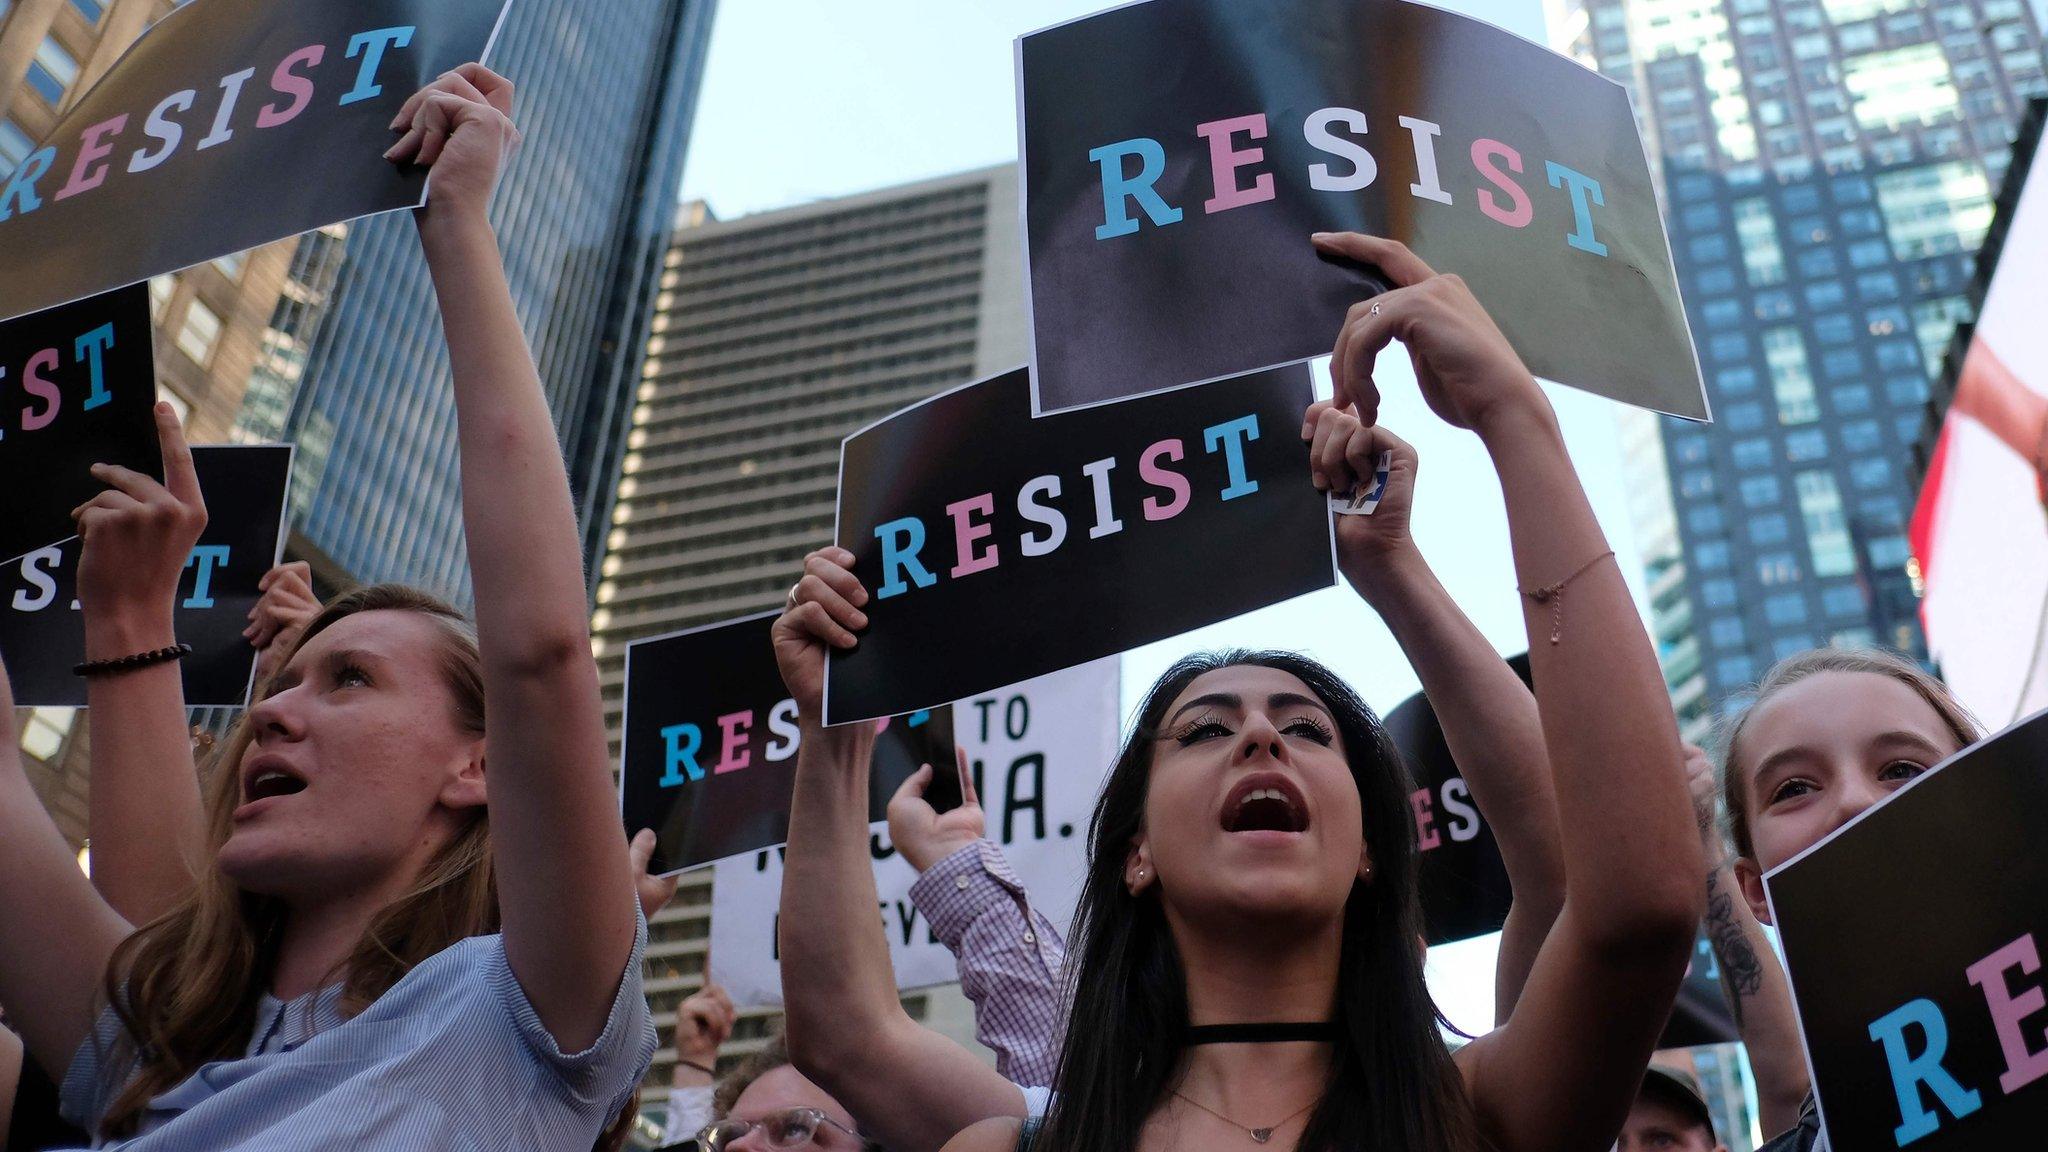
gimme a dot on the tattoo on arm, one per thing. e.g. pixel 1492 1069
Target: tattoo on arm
pixel 1742 974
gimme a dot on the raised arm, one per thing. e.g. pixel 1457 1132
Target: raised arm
pixel 564 890
pixel 910 1088
pixel 1751 977
pixel 1488 716
pixel 144 816
pixel 56 933
pixel 1563 1071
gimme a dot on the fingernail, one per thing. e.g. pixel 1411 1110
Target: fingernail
pixel 391 152
pixel 1319 236
pixel 860 619
pixel 163 407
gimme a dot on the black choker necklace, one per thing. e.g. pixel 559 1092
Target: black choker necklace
pixel 1275 1033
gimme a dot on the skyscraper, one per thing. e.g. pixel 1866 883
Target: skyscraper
pixel 1827 169
pixel 606 94
pixel 775 335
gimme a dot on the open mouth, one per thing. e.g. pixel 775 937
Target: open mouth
pixel 268 780
pixel 1264 802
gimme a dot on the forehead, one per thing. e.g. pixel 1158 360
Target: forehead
pixel 1841 711
pixel 1251 683
pixel 785 1087
pixel 394 635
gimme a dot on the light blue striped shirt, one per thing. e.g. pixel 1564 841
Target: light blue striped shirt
pixel 452 1058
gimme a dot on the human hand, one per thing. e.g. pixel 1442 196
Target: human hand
pixel 281 614
pixel 1469 373
pixel 823 611
pixel 654 891
pixel 926 836
pixel 138 537
pixel 703 1022
pixel 460 126
pixel 1706 790
pixel 1345 452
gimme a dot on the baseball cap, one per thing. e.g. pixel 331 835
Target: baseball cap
pixel 1680 1090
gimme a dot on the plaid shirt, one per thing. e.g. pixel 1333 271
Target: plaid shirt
pixel 1010 957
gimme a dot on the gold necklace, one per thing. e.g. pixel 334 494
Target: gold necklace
pixel 1258 1135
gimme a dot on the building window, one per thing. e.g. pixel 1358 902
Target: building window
pixel 1871 473
pixel 52 71
pixel 1791 377
pixel 1850 399
pixel 1905 390
pixel 1827 530
pixel 1902 86
pixel 1785 608
pixel 1825 295
pixel 92 10
pixel 161 289
pixel 1777 568
pixel 1834 328
pixel 1760 491
pixel 1711 556
pixel 1721 313
pixel 1842 600
pixel 1889 552
pixel 1725 632
pixel 1718 593
pixel 1935 209
pixel 1841 364
pixel 1727 346
pixel 43 736
pixel 1747 416
pixel 1705 520
pixel 1775 304
pixel 1757 229
pixel 1752 453
pixel 1934 322
pixel 1878 285
pixel 230 265
pixel 196 336
pixel 1769 529
pixel 1805 445
pixel 1736 381
pixel 14 143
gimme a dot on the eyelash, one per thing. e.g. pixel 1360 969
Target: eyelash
pixel 343 674
pixel 1204 727
pixel 1917 769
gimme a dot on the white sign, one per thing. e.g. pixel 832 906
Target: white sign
pixel 1039 751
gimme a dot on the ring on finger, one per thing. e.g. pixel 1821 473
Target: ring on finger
pixel 1375 309
pixel 791 600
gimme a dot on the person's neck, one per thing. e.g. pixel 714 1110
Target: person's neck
pixel 319 935
pixel 1239 977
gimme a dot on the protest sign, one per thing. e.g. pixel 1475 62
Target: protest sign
pixel 1911 936
pixel 229 124
pixel 1039 752
pixel 42 634
pixel 77 385
pixel 1177 155
pixel 707 754
pixel 996 548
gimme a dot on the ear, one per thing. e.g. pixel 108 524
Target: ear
pixel 1751 878
pixel 1139 874
pixel 465 788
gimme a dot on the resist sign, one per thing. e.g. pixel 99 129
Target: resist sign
pixel 229 124
pixel 997 548
pixel 1177 154
pixel 1914 937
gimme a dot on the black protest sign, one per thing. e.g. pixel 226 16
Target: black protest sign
pixel 708 753
pixel 42 634
pixel 77 385
pixel 1177 155
pixel 996 548
pixel 229 124
pixel 1912 939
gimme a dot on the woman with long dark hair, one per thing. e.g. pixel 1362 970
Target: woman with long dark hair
pixel 1248 960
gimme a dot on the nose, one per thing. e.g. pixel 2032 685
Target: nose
pixel 277 717
pixel 1854 797
pixel 1257 737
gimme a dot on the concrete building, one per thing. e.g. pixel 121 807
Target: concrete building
pixel 1827 169
pixel 774 336
pixel 356 372
pixel 210 318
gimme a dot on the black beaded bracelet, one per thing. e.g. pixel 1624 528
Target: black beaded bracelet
pixel 129 663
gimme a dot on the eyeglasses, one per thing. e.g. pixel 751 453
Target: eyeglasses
pixel 788 1128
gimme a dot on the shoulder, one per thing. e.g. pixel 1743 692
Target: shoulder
pixel 1001 1134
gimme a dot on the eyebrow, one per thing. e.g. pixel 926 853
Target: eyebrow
pixel 1232 700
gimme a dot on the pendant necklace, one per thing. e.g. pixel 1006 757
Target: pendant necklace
pixel 1258 1135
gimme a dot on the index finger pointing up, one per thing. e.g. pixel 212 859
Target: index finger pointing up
pixel 1396 259
pixel 181 479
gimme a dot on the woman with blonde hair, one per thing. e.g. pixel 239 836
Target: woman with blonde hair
pixel 379 949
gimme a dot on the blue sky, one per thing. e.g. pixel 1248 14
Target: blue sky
pixel 809 99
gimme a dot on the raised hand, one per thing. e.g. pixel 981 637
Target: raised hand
pixel 461 126
pixel 281 614
pixel 824 611
pixel 1468 372
pixel 1344 452
pixel 925 835
pixel 703 1023
pixel 1699 777
pixel 138 535
pixel 654 891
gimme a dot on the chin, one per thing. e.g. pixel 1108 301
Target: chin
pixel 261 862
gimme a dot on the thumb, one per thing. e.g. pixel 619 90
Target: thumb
pixel 641 851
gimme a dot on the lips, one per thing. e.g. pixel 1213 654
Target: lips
pixel 1264 802
pixel 268 777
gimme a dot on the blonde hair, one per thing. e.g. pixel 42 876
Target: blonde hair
pixel 185 985
pixel 1792 670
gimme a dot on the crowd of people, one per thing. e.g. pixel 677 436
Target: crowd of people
pixel 394 908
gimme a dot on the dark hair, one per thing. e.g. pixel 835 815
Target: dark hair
pixel 1392 1086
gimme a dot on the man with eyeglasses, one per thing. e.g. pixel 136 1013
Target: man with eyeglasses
pixel 766 1105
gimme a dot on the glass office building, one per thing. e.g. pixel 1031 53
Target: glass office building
pixel 606 93
pixel 1827 170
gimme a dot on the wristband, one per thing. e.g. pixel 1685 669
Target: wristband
pixel 132 662
pixel 697 1066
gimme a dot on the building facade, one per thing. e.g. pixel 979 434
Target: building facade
pixel 774 336
pixel 210 318
pixel 1827 170
pixel 355 370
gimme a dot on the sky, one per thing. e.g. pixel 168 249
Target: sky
pixel 810 99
